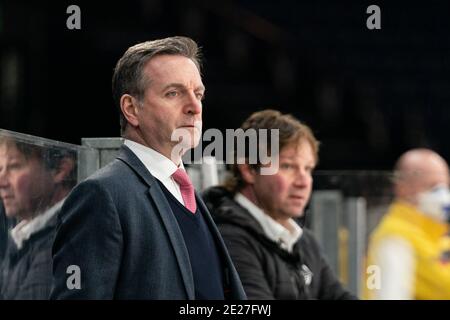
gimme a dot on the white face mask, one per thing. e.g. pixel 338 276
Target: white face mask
pixel 436 203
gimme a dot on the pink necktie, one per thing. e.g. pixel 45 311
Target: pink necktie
pixel 187 189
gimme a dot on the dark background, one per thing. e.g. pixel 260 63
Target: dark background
pixel 369 95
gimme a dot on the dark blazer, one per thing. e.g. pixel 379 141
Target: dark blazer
pixel 119 229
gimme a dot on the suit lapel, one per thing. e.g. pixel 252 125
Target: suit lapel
pixel 176 238
pixel 211 224
pixel 231 277
pixel 169 221
pixel 208 218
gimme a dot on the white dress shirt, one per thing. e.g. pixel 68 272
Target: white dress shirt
pixel 285 237
pixel 395 258
pixel 158 165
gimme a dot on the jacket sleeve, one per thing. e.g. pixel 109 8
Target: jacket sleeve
pixel 88 245
pixel 247 262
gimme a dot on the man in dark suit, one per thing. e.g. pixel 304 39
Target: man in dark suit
pixel 136 229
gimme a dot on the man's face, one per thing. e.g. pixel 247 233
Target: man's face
pixel 423 174
pixel 172 101
pixel 285 194
pixel 24 183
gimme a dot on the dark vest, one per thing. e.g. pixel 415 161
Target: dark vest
pixel 203 252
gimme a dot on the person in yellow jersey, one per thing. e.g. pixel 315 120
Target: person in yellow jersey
pixel 410 246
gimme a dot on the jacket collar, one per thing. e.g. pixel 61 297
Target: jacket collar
pixel 157 164
pixel 127 156
pixel 26 228
pixel 226 210
pixel 278 233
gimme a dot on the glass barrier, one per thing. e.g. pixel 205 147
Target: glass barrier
pixel 344 209
pixel 36 174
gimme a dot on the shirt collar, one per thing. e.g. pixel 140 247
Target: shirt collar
pixel 159 165
pixel 26 228
pixel 273 230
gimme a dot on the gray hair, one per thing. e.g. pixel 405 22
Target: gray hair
pixel 128 77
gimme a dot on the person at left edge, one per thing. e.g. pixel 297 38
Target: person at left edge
pixel 134 230
pixel 34 181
